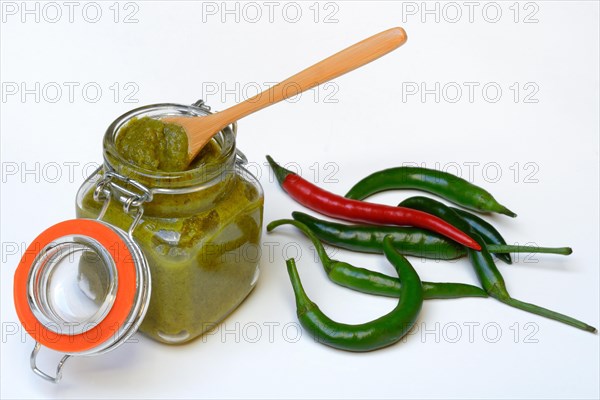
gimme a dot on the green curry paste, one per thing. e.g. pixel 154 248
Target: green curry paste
pixel 152 144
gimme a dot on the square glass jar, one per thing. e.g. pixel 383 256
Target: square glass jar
pixel 200 232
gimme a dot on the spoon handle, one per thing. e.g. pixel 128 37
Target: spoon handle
pixel 336 65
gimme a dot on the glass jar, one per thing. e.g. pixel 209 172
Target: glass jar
pixel 199 231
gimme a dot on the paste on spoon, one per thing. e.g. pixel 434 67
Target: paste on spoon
pixel 152 144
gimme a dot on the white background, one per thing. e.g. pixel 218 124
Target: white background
pixel 365 121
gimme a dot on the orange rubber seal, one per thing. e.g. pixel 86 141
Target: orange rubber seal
pixel 125 294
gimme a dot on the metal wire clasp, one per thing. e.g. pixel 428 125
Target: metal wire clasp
pixel 130 193
pixel 39 372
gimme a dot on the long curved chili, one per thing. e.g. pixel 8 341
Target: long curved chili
pixel 330 204
pixel 443 184
pixel 372 282
pixel 372 335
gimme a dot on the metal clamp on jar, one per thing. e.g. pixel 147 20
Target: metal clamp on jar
pixel 191 238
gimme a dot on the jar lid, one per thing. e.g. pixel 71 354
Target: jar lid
pixel 81 288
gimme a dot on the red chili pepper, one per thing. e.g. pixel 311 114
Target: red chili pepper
pixel 327 203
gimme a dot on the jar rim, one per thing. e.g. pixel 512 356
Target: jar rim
pixel 202 171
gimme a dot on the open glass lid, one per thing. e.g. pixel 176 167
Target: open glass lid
pixel 81 288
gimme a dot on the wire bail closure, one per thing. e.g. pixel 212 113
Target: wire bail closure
pixel 42 374
pixel 115 185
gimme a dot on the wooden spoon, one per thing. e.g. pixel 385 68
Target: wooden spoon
pixel 201 129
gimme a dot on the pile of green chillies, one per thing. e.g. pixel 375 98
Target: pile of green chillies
pixel 395 243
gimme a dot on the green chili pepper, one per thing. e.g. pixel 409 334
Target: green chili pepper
pixel 407 240
pixel 443 184
pixel 488 274
pixel 372 282
pixel 369 238
pixel 487 232
pixel 372 335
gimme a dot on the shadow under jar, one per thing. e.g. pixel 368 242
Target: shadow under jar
pixel 200 232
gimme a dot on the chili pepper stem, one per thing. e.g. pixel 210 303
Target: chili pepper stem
pixel 280 172
pixel 544 312
pixel 506 248
pixel 303 303
pixel 325 259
